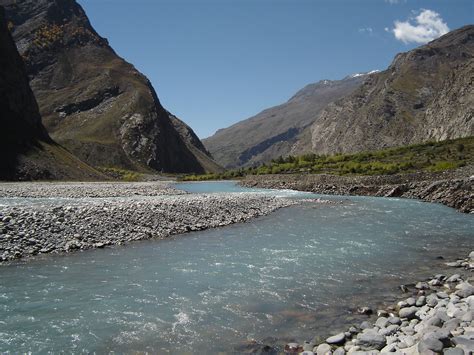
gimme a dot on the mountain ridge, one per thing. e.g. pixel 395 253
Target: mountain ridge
pixel 26 150
pixel 425 94
pixel 272 132
pixel 92 101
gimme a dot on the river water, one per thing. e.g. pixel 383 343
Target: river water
pixel 294 274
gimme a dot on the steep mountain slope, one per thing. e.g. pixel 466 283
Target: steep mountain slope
pixel 425 94
pixel 26 150
pixel 91 100
pixel 272 132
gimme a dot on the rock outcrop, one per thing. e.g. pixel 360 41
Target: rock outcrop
pixel 26 150
pixel 92 101
pixel 425 94
pixel 274 131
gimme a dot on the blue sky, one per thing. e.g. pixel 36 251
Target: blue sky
pixel 216 62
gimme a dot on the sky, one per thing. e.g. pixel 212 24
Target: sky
pixel 216 62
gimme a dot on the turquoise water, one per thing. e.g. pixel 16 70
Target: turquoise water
pixel 290 275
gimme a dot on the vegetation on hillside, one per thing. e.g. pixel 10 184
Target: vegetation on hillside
pixel 121 174
pixel 431 157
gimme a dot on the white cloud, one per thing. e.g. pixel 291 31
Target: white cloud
pixel 425 27
pixel 368 30
pixel 392 2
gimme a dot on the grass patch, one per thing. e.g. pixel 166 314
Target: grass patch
pixel 121 174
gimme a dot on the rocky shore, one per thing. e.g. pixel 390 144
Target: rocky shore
pixel 86 189
pixel 143 211
pixel 436 319
pixel 452 188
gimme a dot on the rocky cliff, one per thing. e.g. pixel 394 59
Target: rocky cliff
pixel 274 131
pixel 26 150
pixel 92 101
pixel 425 94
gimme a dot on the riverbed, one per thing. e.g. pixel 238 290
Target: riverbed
pixel 290 275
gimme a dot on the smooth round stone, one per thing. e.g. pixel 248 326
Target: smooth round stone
pixel 395 320
pixel 453 351
pixel 322 349
pixel 336 339
pixel 410 301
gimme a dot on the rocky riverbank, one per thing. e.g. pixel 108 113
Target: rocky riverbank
pixel 86 189
pixel 436 319
pixel 76 221
pixel 451 188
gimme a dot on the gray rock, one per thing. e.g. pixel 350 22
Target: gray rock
pixel 395 320
pixel 339 351
pixel 422 286
pixel 408 312
pixel 453 278
pixel 365 325
pixel 442 295
pixel 410 301
pixel 371 340
pixel 336 339
pixel 323 349
pixel 390 348
pixel 430 342
pixel 464 343
pixel 432 300
pixel 453 351
pixel 441 314
pixel 421 301
pixel 465 289
pixel 391 329
pixel 451 324
pixel 382 322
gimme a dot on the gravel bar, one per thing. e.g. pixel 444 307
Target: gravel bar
pixel 83 223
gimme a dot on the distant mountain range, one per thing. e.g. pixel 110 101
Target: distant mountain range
pixel 274 131
pixel 92 101
pixel 425 94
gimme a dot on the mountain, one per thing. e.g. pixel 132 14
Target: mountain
pixel 92 101
pixel 274 131
pixel 425 94
pixel 26 150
